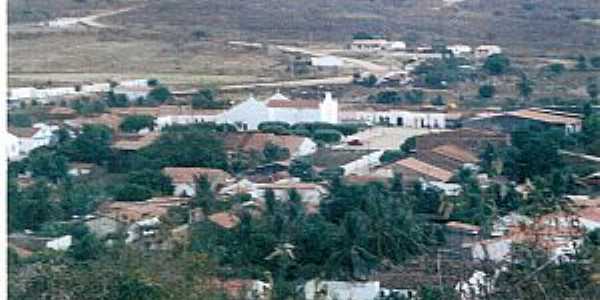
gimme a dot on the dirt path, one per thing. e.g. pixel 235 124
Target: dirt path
pixel 92 20
pixel 359 63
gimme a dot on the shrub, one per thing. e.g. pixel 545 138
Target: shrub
pixel 327 135
pixel 496 64
pixel 487 91
pixel 19 120
pixel 131 192
pixel 136 123
pixel 274 152
pixel 390 156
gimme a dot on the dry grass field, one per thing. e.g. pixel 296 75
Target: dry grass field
pixel 165 39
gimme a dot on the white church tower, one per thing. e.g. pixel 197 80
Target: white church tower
pixel 329 109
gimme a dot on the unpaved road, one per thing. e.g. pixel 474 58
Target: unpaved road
pixel 355 62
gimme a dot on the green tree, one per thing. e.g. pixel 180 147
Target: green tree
pixel 487 91
pixel 31 207
pixel 273 152
pixel 136 123
pixel 595 62
pixel 159 94
pixel 581 63
pixel 131 192
pixel 593 89
pixel 302 169
pixel 92 144
pixel 152 179
pixel 19 120
pixel 79 199
pixel 86 248
pixel 205 98
pixel 204 197
pixel 496 64
pixel 43 162
pixel 525 87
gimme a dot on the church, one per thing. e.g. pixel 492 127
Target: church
pixel 249 114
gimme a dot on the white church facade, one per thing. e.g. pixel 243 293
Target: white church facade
pixel 250 113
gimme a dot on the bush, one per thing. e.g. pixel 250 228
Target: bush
pixel 595 62
pixel 487 91
pixel 348 129
pixel 151 179
pixel 19 120
pixel 263 125
pixel 274 152
pixel 390 156
pixel 387 97
pixel 159 94
pixel 131 192
pixel 438 101
pixel 205 99
pixel 274 127
pixel 136 123
pixel 557 68
pixel 496 64
pixel 327 135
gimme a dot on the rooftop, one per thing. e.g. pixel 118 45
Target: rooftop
pixel 23 132
pixel 135 211
pixel 456 153
pixel 188 175
pixel 425 169
pixel 547 116
pixel 224 219
pixel 298 104
pixel 137 143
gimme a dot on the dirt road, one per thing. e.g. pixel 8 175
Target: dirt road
pixel 354 62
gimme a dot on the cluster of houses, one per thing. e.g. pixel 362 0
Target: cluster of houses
pixel 458 50
pixel 440 152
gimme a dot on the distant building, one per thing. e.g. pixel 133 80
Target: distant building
pixel 368 45
pixel 328 61
pixel 184 179
pixel 250 113
pixel 132 92
pixel 341 290
pixel 256 141
pixel 524 118
pixel 460 50
pixel 485 51
pixel 29 138
pixel 397 118
pixel 395 46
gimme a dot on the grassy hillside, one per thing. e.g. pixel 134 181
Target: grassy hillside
pixel 25 11
pixel 536 24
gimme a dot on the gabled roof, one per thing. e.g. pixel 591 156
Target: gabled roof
pixel 136 144
pixel 188 175
pixel 23 132
pixel 298 104
pixel 456 153
pixel 135 211
pixel 547 116
pixel 258 141
pixel 425 169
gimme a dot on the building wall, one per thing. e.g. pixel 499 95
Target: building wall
pixel 406 119
pixel 329 109
pixel 294 115
pixel 181 189
pixel 164 121
pixel 363 165
pixel 307 147
pixel 246 115
pixel 12 146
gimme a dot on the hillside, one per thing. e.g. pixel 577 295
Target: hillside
pixel 534 24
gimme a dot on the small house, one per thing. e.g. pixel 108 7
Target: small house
pixel 184 179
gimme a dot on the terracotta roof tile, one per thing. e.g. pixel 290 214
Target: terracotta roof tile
pixel 138 143
pixel 258 141
pixel 135 211
pixel 187 175
pixel 457 153
pixel 425 168
pixel 548 116
pixel 23 132
pixel 299 104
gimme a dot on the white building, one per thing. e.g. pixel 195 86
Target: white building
pixel 12 146
pixel 485 51
pixel 95 88
pixel 396 46
pixel 132 92
pixel 368 45
pixel 328 61
pixel 29 138
pixel 60 244
pixel 341 290
pixel 250 113
pixel 191 117
pixel 460 50
pixel 398 118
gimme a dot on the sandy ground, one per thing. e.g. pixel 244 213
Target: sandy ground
pixel 384 138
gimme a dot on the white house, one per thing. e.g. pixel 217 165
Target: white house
pixel 95 88
pixel 341 290
pixel 184 179
pixel 188 117
pixel 12 146
pixel 484 51
pixel 395 46
pixel 132 92
pixel 398 118
pixel 327 61
pixel 460 50
pixel 30 138
pixel 250 113
pixel 60 244
pixel 368 45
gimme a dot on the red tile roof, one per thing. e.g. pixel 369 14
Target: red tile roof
pixel 299 104
pixel 188 175
pixel 425 169
pixel 456 153
pixel 25 132
pixel 138 143
pixel 547 116
pixel 135 211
